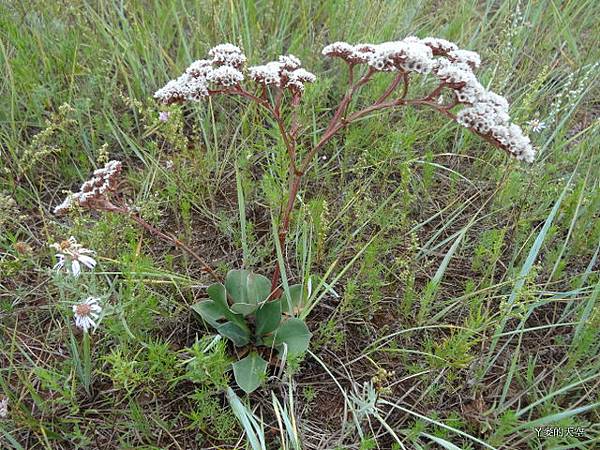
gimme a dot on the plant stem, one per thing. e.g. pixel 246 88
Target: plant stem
pixel 87 362
pixel 338 122
pixel 332 128
pixel 167 238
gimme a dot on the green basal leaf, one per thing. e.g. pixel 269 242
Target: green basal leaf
pixel 259 288
pixel 250 372
pixel 246 287
pixel 297 297
pixel 235 333
pixel 294 333
pixel 268 317
pixel 243 308
pixel 235 283
pixel 218 294
pixel 209 311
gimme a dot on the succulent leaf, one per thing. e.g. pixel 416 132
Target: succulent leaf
pixel 235 283
pixel 218 294
pixel 235 333
pixel 249 372
pixel 210 312
pixel 294 333
pixel 268 317
pixel 247 287
pixel 244 308
pixel 259 287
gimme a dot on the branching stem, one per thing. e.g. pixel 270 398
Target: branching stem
pixel 340 120
pixel 122 209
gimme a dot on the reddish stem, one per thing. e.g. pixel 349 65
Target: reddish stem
pixel 164 236
pixel 337 122
pixel 332 128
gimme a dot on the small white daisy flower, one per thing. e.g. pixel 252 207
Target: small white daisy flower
pixel 72 255
pixel 4 408
pixel 536 125
pixel 164 116
pixel 86 313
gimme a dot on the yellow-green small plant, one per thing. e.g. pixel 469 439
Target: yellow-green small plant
pixel 43 144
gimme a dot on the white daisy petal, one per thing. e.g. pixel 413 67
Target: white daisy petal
pixel 75 268
pixel 87 261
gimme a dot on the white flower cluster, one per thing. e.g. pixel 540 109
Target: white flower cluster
pixel 439 46
pixel 285 73
pixel 223 70
pixel 485 111
pixel 460 77
pixel 466 57
pixel 410 55
pixel 353 54
pixel 266 74
pixel 95 189
pixel 225 76
pixel 227 55
pixel 297 78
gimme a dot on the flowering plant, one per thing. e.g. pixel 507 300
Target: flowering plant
pixel 250 309
pixel 71 255
pixel 483 112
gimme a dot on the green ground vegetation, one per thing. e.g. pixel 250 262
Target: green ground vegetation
pixel 457 291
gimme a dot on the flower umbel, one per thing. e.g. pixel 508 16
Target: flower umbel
pixel 95 192
pixel 484 112
pixel 224 72
pixel 86 313
pixel 72 255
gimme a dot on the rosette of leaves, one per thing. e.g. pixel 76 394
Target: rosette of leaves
pixel 241 311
